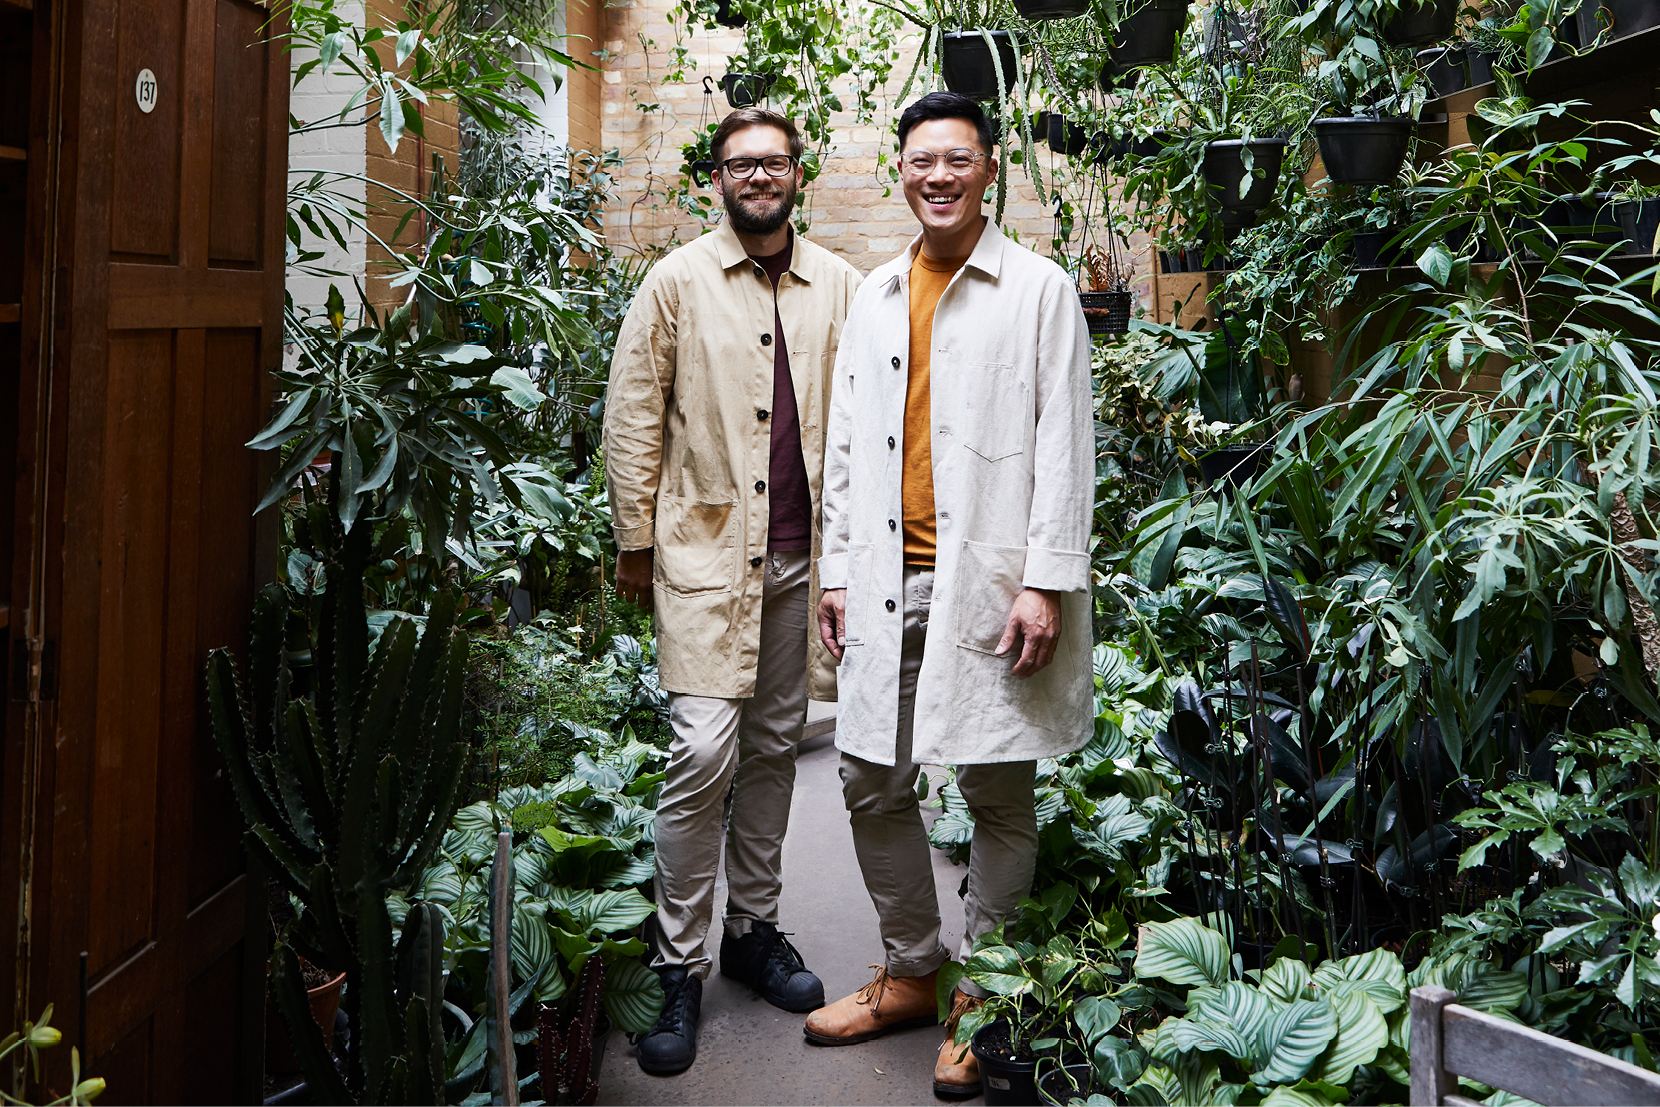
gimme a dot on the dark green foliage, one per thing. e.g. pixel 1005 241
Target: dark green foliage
pixel 348 776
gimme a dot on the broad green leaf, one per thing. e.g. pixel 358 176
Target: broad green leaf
pixel 1361 1032
pixel 1286 979
pixel 633 995
pixel 1181 952
pixel 1436 263
pixel 1293 1039
pixel 517 386
pixel 1379 971
pixel 998 970
pixel 1117 1062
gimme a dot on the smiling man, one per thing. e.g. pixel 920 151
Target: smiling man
pixel 958 488
pixel 714 445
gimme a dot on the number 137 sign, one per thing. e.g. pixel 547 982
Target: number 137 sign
pixel 145 91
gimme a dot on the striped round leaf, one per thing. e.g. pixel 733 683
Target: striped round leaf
pixel 1284 1096
pixel 610 911
pixel 1236 1005
pixel 1486 987
pixel 1293 1040
pixel 532 942
pixel 633 995
pixel 1182 952
pixel 1188 1035
pixel 441 884
pixel 1361 1033
pixel 1379 971
pixel 1286 979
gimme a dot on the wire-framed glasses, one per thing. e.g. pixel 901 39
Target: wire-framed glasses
pixel 776 165
pixel 919 162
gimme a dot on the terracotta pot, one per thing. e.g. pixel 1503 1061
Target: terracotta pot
pixel 279 1047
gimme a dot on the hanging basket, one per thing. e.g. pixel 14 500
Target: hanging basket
pixel 1147 36
pixel 968 69
pixel 726 17
pixel 1107 312
pixel 1446 68
pixel 1225 168
pixel 1065 136
pixel 1050 9
pixel 1358 150
pixel 745 90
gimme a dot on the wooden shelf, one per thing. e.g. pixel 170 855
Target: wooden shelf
pixel 23 5
pixel 13 153
pixel 1610 62
pixel 10 313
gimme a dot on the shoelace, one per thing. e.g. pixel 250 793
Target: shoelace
pixel 784 954
pixel 672 1014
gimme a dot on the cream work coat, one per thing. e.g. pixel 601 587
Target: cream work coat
pixel 688 452
pixel 1014 467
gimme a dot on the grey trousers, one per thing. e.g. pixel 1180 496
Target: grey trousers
pixel 747 747
pixel 892 844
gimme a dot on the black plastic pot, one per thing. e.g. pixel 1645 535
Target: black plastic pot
pixel 706 170
pixel 745 90
pixel 1631 16
pixel 1376 249
pixel 1057 1084
pixel 1107 312
pixel 1065 136
pixel 725 16
pixel 1574 220
pixel 1147 36
pixel 1051 9
pixel 1481 67
pixel 1224 168
pixel 1639 219
pixel 1361 151
pixel 1009 1082
pixel 1234 464
pixel 1136 147
pixel 968 68
pixel 1446 68
pixel 1428 21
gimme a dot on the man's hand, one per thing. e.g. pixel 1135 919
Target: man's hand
pixel 832 620
pixel 634 576
pixel 1035 621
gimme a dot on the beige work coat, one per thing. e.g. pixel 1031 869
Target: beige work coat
pixel 687 453
pixel 1014 465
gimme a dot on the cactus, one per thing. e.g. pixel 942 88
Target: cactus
pixel 347 782
pixel 567 1061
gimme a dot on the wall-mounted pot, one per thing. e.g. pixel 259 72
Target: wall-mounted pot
pixel 1446 68
pixel 745 90
pixel 1359 150
pixel 967 65
pixel 1420 22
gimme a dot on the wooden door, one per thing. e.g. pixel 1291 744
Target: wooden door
pixel 151 316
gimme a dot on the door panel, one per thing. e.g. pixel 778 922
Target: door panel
pixel 154 293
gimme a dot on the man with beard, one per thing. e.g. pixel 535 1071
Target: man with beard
pixel 958 490
pixel 714 446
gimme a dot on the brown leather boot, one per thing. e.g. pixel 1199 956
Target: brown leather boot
pixel 886 1004
pixel 957 1073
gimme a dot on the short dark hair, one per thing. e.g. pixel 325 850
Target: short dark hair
pixel 946 105
pixel 744 118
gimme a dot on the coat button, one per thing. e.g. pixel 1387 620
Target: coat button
pixel 760 486
pixel 892 525
pixel 890 605
pixel 896 363
pixel 754 563
pixel 890 441
pixel 761 413
pixel 766 340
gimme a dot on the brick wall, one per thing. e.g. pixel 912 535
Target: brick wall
pixel 856 210
pixel 585 41
pixel 408 169
pixel 336 150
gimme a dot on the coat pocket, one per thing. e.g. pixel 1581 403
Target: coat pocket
pixel 987 581
pixel 859 560
pixel 697 552
pixel 994 409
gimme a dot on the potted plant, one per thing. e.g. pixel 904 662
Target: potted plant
pixel 1108 304
pixel 1146 32
pixel 1418 22
pixel 982 64
pixel 1050 9
pixel 1367 143
pixel 1065 136
pixel 745 90
pixel 1445 67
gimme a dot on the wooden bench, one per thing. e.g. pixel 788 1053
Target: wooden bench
pixel 1450 1041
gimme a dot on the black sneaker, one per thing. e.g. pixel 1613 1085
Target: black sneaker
pixel 766 961
pixel 670 1046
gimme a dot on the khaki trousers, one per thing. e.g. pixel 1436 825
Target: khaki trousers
pixel 746 748
pixel 892 844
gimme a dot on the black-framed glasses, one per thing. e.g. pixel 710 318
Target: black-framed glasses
pixel 776 165
pixel 920 162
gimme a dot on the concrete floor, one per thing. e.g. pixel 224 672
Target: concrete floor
pixel 749 1052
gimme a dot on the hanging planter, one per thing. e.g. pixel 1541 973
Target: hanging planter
pixel 967 66
pixel 1050 9
pixel 726 17
pixel 1107 312
pixel 1359 150
pixel 1377 249
pixel 1136 147
pixel 745 90
pixel 1147 36
pixel 1420 22
pixel 705 169
pixel 1446 69
pixel 1225 169
pixel 1065 136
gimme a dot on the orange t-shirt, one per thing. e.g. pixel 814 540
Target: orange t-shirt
pixel 929 276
